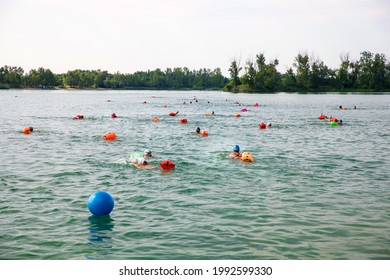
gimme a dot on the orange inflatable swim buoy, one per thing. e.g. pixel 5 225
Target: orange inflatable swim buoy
pixel 237 115
pixel 155 119
pixel 262 125
pixel 322 117
pixel 27 130
pixel 172 114
pixel 183 121
pixel 204 133
pixel 109 136
pixel 167 165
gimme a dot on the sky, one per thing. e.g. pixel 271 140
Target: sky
pixel 129 36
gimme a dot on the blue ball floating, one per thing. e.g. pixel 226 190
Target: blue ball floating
pixel 100 203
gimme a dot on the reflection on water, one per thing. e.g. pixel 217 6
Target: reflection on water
pixel 100 236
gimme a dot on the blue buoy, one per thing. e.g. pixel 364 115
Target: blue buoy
pixel 100 203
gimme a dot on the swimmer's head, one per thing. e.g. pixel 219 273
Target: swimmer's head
pixel 31 128
pixel 198 130
pixel 236 148
pixel 148 153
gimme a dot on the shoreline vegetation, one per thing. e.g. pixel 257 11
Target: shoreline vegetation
pixel 370 73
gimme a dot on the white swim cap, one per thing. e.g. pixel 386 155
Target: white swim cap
pixel 148 152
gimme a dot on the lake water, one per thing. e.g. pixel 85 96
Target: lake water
pixel 313 192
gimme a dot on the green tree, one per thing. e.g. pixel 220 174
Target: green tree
pixel 289 81
pixel 302 71
pixel 234 71
pixel 11 76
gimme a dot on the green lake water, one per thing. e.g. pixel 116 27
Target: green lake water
pixel 313 192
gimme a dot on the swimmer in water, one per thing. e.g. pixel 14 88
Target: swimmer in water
pixel 142 164
pixel 236 153
pixel 197 130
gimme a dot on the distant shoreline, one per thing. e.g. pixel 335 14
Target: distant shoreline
pixel 368 74
pixel 385 92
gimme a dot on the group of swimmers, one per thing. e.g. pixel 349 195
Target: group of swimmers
pixel 140 160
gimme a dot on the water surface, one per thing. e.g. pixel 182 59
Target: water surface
pixel 313 192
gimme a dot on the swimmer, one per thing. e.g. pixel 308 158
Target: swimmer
pixel 269 124
pixel 114 116
pixel 236 153
pixel 78 117
pixel 172 114
pixel 142 163
pixel 197 130
pixel 322 117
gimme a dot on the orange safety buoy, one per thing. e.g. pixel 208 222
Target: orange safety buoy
pixel 183 121
pixel 155 119
pixel 172 114
pixel 167 165
pixel 262 125
pixel 204 133
pixel 109 136
pixel 322 117
pixel 27 130
pixel 237 115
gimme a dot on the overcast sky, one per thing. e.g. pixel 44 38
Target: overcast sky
pixel 129 35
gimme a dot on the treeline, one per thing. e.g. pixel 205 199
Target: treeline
pixel 371 72
pixel 176 78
